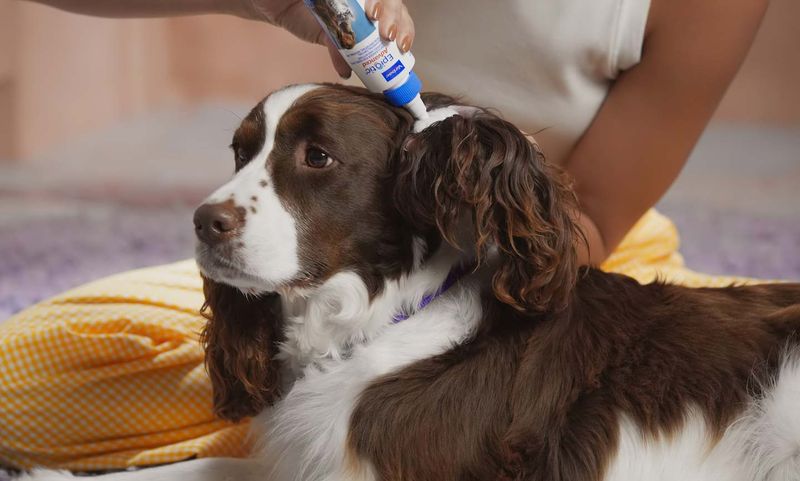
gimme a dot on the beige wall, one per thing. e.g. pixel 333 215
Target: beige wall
pixel 6 87
pixel 767 88
pixel 221 57
pixel 62 75
pixel 71 74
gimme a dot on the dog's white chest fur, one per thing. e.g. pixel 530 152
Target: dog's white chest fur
pixel 305 434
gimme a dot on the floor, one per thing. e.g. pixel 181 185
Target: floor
pixel 737 203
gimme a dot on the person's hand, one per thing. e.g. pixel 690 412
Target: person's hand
pixel 394 22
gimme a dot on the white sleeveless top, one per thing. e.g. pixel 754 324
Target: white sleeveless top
pixel 544 64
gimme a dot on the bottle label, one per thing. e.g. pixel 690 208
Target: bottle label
pixel 392 71
pixel 376 62
pixel 343 20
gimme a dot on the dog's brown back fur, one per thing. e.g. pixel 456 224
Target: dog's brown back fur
pixel 540 398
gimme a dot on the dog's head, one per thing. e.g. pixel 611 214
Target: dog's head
pixel 332 179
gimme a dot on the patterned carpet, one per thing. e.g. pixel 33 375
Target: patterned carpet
pixel 84 241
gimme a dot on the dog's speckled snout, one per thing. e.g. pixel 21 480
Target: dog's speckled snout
pixel 215 223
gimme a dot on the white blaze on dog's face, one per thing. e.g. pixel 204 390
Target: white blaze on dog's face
pixel 233 247
pixel 310 196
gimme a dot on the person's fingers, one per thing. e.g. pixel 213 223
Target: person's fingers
pixel 339 64
pixel 394 20
pixel 393 17
pixel 405 31
pixel 373 8
pixel 390 13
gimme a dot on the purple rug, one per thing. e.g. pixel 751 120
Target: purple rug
pixel 45 256
pixel 725 242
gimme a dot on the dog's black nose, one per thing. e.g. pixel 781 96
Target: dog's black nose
pixel 214 223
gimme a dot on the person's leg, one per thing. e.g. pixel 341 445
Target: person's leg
pixel 110 375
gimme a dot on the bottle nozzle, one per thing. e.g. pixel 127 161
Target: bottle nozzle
pixel 417 108
pixel 407 95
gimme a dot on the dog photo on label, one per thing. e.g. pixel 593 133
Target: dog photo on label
pixel 338 18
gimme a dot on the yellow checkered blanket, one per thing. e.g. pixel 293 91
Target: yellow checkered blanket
pixel 110 375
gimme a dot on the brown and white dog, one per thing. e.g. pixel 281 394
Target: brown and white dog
pixel 401 302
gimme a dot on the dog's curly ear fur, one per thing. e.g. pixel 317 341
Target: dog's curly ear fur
pixel 483 166
pixel 241 340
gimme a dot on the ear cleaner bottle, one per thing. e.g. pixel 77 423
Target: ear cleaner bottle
pixel 378 63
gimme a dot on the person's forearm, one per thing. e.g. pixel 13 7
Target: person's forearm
pixel 655 112
pixel 144 8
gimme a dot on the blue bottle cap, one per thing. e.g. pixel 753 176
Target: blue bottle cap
pixel 405 92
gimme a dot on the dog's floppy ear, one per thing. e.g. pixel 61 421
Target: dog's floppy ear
pixel 241 340
pixel 482 166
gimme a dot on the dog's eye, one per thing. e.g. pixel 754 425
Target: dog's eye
pixel 317 159
pixel 240 158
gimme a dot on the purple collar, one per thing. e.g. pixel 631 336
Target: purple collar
pixel 455 274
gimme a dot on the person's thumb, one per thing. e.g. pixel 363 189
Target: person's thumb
pixel 339 63
pixel 301 22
